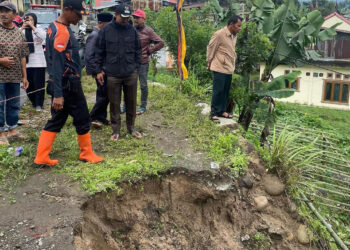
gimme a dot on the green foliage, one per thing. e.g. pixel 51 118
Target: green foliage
pixel 14 169
pixel 223 146
pixel 293 38
pixel 335 122
pixel 239 162
pixel 198 30
pixel 253 47
pixel 289 158
pixel 260 241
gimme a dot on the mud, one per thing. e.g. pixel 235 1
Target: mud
pixel 185 210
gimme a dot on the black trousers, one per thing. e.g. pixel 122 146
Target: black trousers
pixel 221 90
pixel 99 111
pixel 74 105
pixel 129 86
pixel 36 79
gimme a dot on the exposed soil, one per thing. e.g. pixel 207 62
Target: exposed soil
pixel 185 211
pixel 190 207
pixel 46 210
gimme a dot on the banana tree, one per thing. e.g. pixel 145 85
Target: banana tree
pixel 267 91
pixel 294 39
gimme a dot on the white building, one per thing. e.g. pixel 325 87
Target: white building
pixel 327 85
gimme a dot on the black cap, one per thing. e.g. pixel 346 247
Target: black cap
pixel 77 5
pixel 104 17
pixel 124 10
pixel 8 5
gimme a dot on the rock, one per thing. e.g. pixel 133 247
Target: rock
pixel 245 238
pixel 276 232
pixel 246 181
pixel 227 123
pixel 32 227
pixel 292 207
pixel 290 237
pixel 2 234
pixel 205 108
pixel 40 242
pixel 260 202
pixel 273 186
pixel 303 235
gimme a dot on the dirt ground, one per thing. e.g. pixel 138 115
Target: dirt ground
pixel 191 207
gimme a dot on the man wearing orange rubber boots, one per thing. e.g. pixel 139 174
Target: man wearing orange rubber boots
pixel 64 70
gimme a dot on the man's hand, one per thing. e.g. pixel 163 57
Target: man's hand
pixel 7 62
pixel 208 67
pixel 25 83
pixel 100 78
pixel 57 103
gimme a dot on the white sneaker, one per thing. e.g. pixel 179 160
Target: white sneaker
pixel 38 109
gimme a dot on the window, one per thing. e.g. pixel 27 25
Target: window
pixel 346 76
pixel 329 75
pixel 315 74
pixel 307 73
pixel 320 74
pixel 292 85
pixel 335 91
pixel 338 76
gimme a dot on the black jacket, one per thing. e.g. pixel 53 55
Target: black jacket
pixel 118 49
pixel 90 47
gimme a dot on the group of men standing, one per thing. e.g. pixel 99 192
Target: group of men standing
pixel 115 50
pixel 117 55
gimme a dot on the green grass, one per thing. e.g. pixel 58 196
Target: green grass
pixel 129 159
pixel 314 117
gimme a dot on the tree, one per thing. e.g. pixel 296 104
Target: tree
pixel 198 29
pixel 292 39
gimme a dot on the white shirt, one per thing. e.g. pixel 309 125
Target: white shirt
pixel 37 59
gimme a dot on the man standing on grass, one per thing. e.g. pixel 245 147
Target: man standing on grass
pixel 64 70
pixel 221 58
pixel 98 113
pixel 13 52
pixel 119 50
pixel 150 43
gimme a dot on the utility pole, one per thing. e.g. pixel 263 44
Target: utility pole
pixel 61 4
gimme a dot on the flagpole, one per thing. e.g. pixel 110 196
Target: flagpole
pixel 179 49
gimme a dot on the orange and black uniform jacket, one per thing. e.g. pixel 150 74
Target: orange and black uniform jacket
pixel 63 58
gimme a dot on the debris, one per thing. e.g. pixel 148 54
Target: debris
pixel 18 151
pixel 245 238
pixel 290 237
pixel 214 165
pixel 247 182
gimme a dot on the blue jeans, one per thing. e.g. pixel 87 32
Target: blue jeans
pixel 9 110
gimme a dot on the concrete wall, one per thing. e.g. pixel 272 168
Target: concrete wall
pixel 311 88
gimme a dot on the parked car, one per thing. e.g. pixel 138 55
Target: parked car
pixel 46 13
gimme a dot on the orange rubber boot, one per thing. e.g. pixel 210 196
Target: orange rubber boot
pixel 86 153
pixel 44 147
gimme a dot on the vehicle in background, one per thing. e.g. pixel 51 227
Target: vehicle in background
pixel 91 22
pixel 46 13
